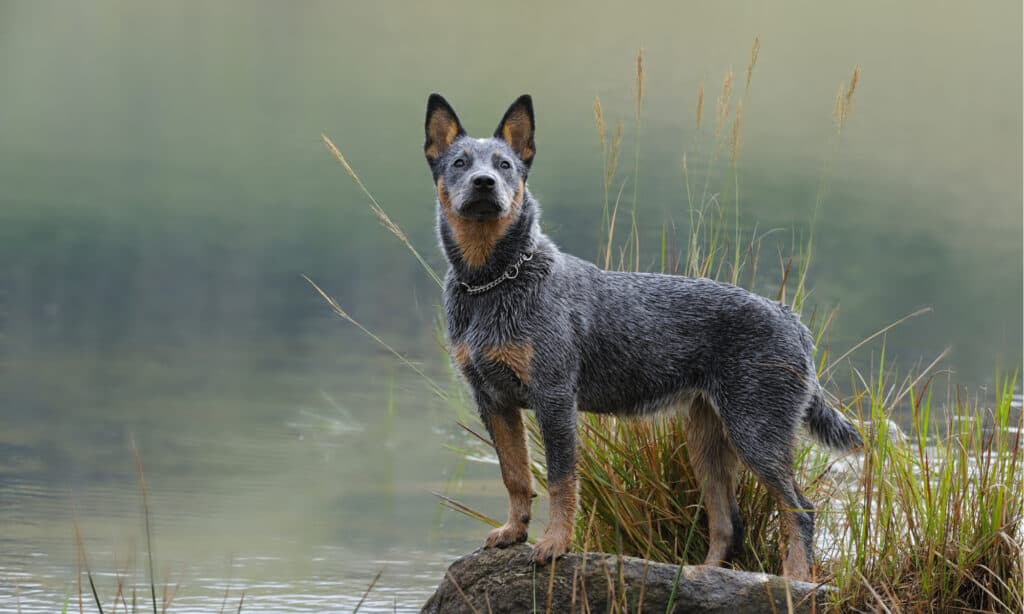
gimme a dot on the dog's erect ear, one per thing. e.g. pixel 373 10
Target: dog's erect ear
pixel 516 128
pixel 442 127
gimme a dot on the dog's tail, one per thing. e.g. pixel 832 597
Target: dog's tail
pixel 831 427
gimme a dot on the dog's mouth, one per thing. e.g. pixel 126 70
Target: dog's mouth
pixel 481 209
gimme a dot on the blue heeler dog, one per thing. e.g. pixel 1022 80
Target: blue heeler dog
pixel 532 327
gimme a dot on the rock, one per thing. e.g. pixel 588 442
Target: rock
pixel 504 580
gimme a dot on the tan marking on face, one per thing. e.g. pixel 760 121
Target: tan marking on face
pixel 516 131
pixel 442 130
pixel 514 457
pixel 476 239
pixel 515 356
pixel 562 515
pixel 460 354
pixel 517 199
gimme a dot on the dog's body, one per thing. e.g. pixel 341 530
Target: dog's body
pixel 531 327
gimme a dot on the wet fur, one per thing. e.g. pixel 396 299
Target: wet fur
pixel 564 336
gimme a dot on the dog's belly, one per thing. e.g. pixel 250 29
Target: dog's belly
pixel 634 389
pixel 678 402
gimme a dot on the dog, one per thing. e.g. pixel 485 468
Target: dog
pixel 531 327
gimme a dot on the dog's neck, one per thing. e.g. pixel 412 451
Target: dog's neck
pixel 520 238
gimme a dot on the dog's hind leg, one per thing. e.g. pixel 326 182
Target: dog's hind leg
pixel 714 463
pixel 509 436
pixel 800 558
pixel 797 517
pixel 768 452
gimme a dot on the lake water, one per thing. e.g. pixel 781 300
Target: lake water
pixel 163 187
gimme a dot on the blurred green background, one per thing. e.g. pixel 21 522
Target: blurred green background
pixel 163 187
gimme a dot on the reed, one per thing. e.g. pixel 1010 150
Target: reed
pixel 700 105
pixel 842 109
pixel 378 210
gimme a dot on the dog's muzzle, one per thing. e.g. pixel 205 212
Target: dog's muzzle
pixel 482 198
pixel 481 209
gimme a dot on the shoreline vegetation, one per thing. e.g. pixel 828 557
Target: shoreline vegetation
pixel 927 517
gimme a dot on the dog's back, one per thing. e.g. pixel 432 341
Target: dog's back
pixel 650 341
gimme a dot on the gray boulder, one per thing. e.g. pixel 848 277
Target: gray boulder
pixel 504 580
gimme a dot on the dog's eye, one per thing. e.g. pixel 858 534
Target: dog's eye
pixel 505 165
pixel 459 163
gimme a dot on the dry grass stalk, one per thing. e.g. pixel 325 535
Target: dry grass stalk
pixel 639 80
pixel 344 314
pixel 737 123
pixel 755 50
pixel 392 227
pixel 843 107
pixel 462 593
pixel 613 156
pixel 599 121
pixel 700 104
pixel 341 158
pixel 144 490
pixel 84 561
pixel 369 588
pixel 854 77
pixel 611 229
pixel 634 239
pixel 168 596
pixel 837 107
pixel 723 101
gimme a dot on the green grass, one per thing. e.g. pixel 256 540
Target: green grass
pixel 926 518
pixel 934 519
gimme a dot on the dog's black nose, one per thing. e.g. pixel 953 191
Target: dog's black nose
pixel 483 181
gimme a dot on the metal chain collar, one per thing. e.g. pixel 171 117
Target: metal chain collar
pixel 510 273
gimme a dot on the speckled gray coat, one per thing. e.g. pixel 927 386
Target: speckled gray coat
pixel 572 337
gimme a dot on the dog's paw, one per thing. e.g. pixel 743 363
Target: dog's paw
pixel 550 547
pixel 506 535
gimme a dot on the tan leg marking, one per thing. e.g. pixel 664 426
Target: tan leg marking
pixel 797 564
pixel 515 356
pixel 715 465
pixel 514 457
pixel 561 519
pixel 477 239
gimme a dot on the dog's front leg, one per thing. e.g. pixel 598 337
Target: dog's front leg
pixel 557 419
pixel 509 437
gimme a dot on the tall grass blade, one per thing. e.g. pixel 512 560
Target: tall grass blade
pixel 392 227
pixel 462 508
pixel 405 361
pixel 83 557
pixel 367 591
pixel 145 514
pixel 875 335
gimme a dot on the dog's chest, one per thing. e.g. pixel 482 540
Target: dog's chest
pixel 490 347
pixel 501 372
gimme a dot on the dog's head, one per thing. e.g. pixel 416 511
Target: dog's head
pixel 480 180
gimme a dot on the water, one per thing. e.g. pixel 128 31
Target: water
pixel 163 186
